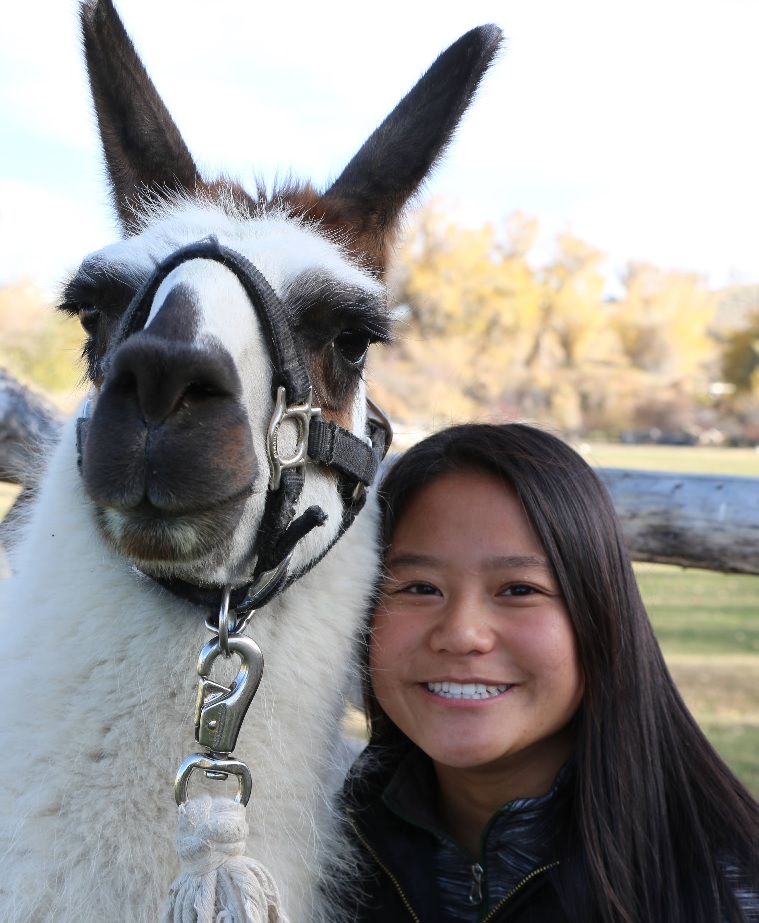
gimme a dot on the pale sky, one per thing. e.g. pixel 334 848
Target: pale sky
pixel 632 124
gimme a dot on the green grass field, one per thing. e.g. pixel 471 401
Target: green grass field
pixel 694 460
pixel 698 612
pixel 708 627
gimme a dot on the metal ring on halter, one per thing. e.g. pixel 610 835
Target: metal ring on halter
pixel 240 623
pixel 224 627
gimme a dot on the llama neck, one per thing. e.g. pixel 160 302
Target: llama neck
pixel 107 662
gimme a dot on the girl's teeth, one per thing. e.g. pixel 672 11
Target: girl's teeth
pixel 448 690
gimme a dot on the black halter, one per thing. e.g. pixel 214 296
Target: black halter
pixel 356 460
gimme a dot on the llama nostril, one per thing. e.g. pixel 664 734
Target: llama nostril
pixel 161 379
pixel 202 390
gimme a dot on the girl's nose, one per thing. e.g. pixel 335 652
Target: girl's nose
pixel 462 628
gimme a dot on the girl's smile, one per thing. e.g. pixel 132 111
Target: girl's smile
pixel 467 692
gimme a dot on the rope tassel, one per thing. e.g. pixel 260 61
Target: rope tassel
pixel 218 883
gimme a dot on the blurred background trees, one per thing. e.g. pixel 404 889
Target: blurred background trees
pixel 740 359
pixel 491 327
pixel 38 346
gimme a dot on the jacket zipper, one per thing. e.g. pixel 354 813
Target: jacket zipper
pixel 475 892
pixel 386 870
pixel 476 876
pixel 516 888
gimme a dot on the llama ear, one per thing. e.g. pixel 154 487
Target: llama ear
pixel 142 145
pixel 371 191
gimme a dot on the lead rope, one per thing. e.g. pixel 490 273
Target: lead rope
pixel 218 883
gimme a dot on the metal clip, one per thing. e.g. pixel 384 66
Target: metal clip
pixel 220 710
pixel 219 713
pixel 215 767
pixel 302 414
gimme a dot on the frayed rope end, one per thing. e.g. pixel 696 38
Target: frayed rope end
pixel 218 882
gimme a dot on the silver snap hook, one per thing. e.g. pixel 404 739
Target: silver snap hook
pixel 220 709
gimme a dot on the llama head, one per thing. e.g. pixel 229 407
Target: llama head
pixel 175 456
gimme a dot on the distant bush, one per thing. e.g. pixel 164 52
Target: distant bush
pixel 37 345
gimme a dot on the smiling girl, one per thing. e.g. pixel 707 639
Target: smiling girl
pixel 530 758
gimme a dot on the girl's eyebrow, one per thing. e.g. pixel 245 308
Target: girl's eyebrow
pixel 499 562
pixel 516 560
pixel 412 559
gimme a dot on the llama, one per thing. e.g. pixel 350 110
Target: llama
pixel 216 312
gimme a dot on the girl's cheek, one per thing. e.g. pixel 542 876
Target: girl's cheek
pixel 378 640
pixel 389 638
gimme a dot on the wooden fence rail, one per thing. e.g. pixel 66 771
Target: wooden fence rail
pixel 697 520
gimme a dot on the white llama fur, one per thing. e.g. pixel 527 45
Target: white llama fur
pixel 102 697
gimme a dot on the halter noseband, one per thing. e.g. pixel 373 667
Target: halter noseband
pixel 356 460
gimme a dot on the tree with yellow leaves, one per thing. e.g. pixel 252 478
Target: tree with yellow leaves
pixel 469 283
pixel 37 345
pixel 663 323
pixel 571 309
pixel 740 362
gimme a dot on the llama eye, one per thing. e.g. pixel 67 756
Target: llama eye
pixel 352 346
pixel 88 318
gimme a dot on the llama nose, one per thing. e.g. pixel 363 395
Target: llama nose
pixel 169 428
pixel 160 377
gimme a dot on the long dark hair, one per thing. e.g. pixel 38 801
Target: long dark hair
pixel 659 826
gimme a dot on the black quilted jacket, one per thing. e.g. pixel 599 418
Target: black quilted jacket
pixel 399 875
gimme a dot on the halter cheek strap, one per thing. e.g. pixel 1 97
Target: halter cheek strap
pixel 355 460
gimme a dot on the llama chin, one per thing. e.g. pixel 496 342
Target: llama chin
pixel 170 478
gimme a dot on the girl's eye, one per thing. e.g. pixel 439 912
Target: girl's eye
pixel 518 589
pixel 419 589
